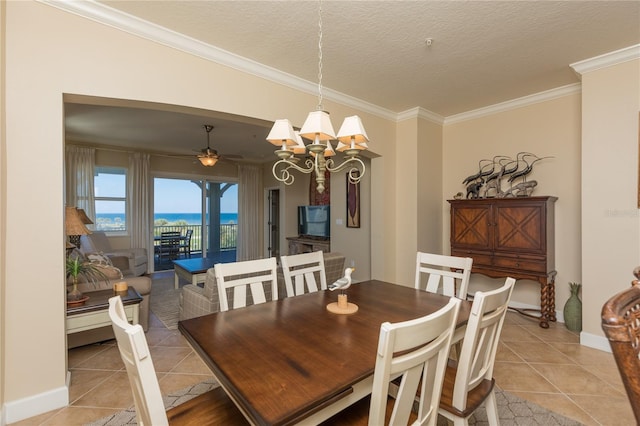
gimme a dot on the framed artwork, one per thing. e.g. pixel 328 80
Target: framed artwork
pixel 639 160
pixel 353 203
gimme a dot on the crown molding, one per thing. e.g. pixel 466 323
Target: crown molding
pixel 419 112
pixel 608 59
pixel 122 21
pixel 547 95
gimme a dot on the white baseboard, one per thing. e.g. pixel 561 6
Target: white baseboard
pixel 595 341
pixel 14 411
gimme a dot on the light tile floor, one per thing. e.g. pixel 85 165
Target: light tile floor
pixel 548 367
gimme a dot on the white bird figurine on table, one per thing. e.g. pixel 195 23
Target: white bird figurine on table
pixel 344 282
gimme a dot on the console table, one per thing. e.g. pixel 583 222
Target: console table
pixel 299 245
pixel 94 313
pixel 509 237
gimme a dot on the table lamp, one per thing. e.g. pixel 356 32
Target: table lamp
pixel 74 227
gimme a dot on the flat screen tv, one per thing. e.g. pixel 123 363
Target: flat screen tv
pixel 314 221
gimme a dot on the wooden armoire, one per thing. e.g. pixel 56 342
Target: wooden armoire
pixel 509 237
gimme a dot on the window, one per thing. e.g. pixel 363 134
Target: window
pixel 110 186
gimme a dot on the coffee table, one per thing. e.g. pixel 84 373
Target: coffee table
pixel 195 270
pixel 94 313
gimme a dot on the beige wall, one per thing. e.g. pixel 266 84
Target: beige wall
pixel 550 128
pixel 49 53
pixel 418 187
pixel 610 227
pixel 3 192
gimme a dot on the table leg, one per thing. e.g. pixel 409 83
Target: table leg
pixel 176 279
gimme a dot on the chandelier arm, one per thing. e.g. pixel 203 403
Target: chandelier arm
pixel 281 171
pixel 348 162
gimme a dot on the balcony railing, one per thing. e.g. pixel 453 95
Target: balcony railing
pixel 228 235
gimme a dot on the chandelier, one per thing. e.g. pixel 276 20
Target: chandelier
pixel 317 128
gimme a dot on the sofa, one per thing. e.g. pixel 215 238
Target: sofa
pixel 196 301
pixel 97 242
pixel 141 284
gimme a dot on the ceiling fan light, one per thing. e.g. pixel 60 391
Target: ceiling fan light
pixel 208 160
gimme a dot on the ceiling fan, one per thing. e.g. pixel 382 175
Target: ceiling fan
pixel 208 157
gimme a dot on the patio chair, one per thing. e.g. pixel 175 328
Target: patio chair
pixel 301 270
pixel 169 246
pixel 415 352
pixel 212 407
pixel 621 325
pixel 444 271
pixel 241 277
pixel 185 244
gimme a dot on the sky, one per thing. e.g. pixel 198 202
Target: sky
pixel 183 196
pixel 170 195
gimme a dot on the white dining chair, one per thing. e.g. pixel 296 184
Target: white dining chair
pixel 243 277
pixel 469 381
pixel 300 272
pixel 212 407
pixel 442 272
pixel 414 353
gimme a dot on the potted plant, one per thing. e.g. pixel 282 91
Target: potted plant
pixel 76 267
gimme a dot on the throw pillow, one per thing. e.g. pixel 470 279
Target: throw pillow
pixel 99 258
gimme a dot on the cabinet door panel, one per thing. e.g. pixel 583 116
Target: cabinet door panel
pixel 520 229
pixel 471 226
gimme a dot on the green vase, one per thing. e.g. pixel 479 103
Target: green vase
pixel 573 309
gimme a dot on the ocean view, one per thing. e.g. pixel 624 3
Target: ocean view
pixel 189 218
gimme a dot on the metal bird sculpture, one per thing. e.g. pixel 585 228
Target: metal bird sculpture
pixel 344 282
pixel 483 170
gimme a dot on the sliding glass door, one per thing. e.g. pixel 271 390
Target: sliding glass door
pixel 205 213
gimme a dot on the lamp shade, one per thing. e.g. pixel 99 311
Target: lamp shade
pixel 208 160
pixel 73 224
pixel 328 151
pixel 282 133
pixel 318 124
pixel 83 217
pixel 300 147
pixel 352 130
pixel 344 146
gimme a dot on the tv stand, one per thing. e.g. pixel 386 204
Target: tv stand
pixel 304 244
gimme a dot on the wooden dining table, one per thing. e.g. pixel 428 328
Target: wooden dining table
pixel 292 361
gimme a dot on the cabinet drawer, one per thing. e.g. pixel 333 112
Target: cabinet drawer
pixel 521 264
pixel 479 259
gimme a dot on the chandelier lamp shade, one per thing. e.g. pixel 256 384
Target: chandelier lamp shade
pixel 317 128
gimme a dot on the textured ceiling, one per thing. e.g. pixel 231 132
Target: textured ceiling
pixel 483 52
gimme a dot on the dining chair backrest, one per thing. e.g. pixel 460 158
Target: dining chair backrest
pixel 211 407
pixel 417 352
pixel 621 326
pixel 241 277
pixel 442 272
pixel 300 272
pixel 414 355
pixel 474 368
pixel 135 354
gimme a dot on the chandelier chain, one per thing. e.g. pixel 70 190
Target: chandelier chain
pixel 320 108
